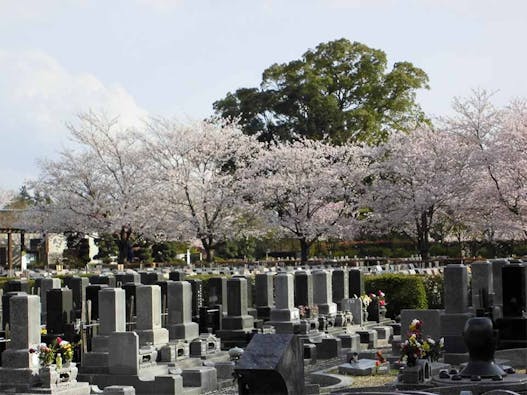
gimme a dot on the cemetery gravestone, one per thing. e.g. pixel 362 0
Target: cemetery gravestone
pixel 284 315
pixel 340 286
pixel 179 305
pixel 264 294
pixel 303 289
pixel 217 294
pixel 481 284
pixel 148 326
pixel 78 290
pixel 456 313
pixel 322 293
pixel 356 282
pixel 60 310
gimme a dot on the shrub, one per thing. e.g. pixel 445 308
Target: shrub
pixel 402 291
pixel 434 291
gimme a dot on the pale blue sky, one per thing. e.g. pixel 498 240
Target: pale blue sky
pixel 176 57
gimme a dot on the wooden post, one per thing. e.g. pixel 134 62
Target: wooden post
pixel 10 252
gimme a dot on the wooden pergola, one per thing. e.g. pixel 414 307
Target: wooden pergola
pixel 7 219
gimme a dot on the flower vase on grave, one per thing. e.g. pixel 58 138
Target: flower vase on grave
pixel 411 360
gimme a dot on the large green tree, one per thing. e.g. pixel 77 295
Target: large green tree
pixel 341 90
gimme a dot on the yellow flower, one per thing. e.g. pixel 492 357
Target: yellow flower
pixel 426 346
pixel 43 331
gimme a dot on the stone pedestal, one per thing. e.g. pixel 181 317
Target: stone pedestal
pixel 322 293
pixel 284 316
pixel 112 319
pixel 148 326
pixel 179 320
pixel 237 326
pixel 452 322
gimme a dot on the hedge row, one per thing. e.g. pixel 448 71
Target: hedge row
pixel 402 291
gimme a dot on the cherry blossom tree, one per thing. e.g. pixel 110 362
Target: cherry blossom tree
pixel 498 140
pixel 100 184
pixel 6 196
pixel 307 189
pixel 417 178
pixel 199 166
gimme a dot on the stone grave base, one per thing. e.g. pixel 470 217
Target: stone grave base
pixel 284 326
pixel 147 385
pixel 242 322
pixel 27 381
pixel 156 337
pixel 95 362
pixel 18 378
pixel 187 331
pixel 234 338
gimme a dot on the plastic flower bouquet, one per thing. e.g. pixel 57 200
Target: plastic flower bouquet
pixel 417 346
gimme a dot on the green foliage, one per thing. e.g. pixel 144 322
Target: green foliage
pixel 108 247
pixel 167 251
pixel 143 251
pixel 243 248
pixel 402 291
pixel 4 280
pixel 341 89
pixel 434 288
pixel 77 252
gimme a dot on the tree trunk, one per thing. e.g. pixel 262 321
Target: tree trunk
pixel 209 254
pixel 304 250
pixel 207 243
pixel 423 234
pixel 124 244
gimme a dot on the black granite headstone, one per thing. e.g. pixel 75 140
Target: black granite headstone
pixel 108 280
pixel 271 364
pixel 150 278
pixel 217 291
pixel 163 284
pixel 131 300
pixel 303 289
pixel 340 285
pixel 92 295
pixel 210 319
pixel 250 290
pixel 197 296
pixel 514 277
pixel 356 283
pixel 176 276
pixel 5 306
pixel 374 311
pixel 123 278
pixel 59 309
pixel 17 286
pixel 78 290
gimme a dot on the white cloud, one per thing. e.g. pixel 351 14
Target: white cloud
pixel 37 96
